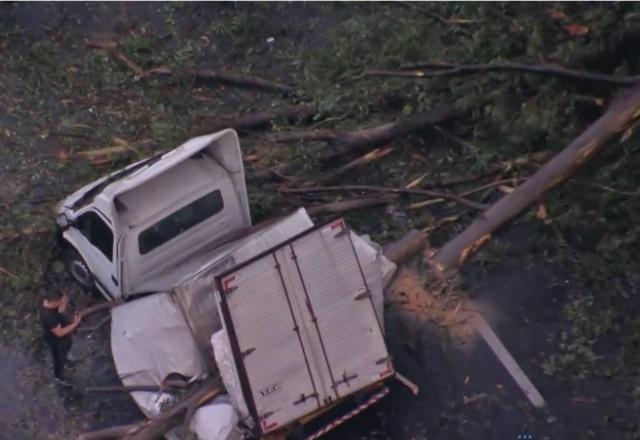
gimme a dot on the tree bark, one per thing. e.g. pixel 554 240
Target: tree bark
pixel 451 69
pixel 618 118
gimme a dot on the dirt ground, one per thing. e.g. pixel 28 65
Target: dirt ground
pixel 465 392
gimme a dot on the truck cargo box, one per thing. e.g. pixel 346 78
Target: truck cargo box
pixel 302 326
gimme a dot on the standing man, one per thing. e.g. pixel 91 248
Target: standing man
pixel 57 330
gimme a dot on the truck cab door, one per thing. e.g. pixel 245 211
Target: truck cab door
pixel 93 238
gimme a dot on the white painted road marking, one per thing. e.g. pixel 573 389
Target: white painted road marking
pixel 507 360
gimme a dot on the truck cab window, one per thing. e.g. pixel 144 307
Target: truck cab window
pixel 180 221
pixel 97 232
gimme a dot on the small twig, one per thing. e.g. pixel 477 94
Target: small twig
pixel 119 56
pixel 612 190
pixel 512 21
pixel 415 389
pixel 331 119
pixel 439 18
pixel 474 398
pixel 71 135
pixel 442 222
pixel 5 271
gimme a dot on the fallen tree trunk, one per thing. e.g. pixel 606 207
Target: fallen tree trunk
pixel 451 69
pixel 354 141
pixel 620 116
pixel 260 119
pixel 406 247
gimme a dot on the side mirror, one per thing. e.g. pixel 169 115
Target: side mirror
pixel 63 222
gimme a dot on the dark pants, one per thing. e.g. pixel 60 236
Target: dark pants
pixel 59 349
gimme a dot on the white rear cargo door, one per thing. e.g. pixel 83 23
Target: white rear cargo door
pixel 276 369
pixel 339 304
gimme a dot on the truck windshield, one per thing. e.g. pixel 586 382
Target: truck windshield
pixel 180 221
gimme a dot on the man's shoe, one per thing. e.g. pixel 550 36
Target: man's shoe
pixel 61 382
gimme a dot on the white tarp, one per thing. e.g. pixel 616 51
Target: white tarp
pixel 229 373
pixel 150 340
pixel 216 421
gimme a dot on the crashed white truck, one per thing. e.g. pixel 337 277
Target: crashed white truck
pixel 288 314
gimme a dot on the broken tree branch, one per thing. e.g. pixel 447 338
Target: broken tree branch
pixel 106 305
pixel 166 385
pixel 259 119
pixel 128 389
pixel 348 205
pixel 332 176
pixel 368 188
pixel 114 432
pixel 238 79
pixel 451 69
pixel 354 141
pixel 437 17
pixel 622 113
pixel 155 428
pixel 204 75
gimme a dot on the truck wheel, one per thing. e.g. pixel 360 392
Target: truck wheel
pixel 78 269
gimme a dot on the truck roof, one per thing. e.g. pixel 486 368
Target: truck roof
pixel 106 190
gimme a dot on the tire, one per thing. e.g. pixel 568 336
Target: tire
pixel 78 270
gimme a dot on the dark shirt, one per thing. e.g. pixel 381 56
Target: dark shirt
pixel 51 318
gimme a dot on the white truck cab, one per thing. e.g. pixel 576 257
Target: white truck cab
pixel 142 228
